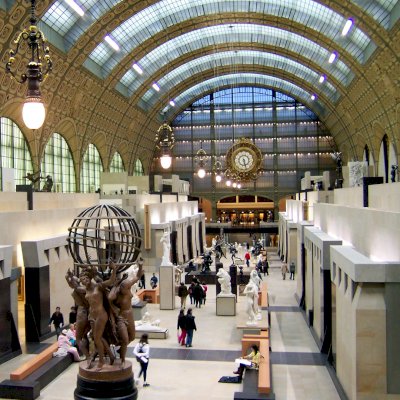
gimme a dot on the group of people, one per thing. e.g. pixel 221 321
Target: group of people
pixel 197 293
pixel 285 270
pixel 185 327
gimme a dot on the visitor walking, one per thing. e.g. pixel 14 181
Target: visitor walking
pixel 58 321
pixel 284 270
pixel 292 269
pixel 142 353
pixel 182 294
pixel 182 326
pixel 190 327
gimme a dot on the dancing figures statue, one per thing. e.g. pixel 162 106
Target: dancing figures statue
pixel 98 316
pixel 224 279
pixel 82 325
pixel 119 298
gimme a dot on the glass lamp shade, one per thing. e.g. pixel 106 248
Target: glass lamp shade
pixel 166 161
pixel 228 183
pixel 201 173
pixel 218 178
pixel 239 185
pixel 33 113
pixel 234 184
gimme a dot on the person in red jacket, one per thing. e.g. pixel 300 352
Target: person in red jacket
pixel 247 258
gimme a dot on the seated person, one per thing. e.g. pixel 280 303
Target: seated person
pixel 253 357
pixel 71 334
pixel 65 347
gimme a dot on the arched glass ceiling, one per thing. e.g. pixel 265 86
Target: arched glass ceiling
pixel 380 10
pixel 70 26
pixel 241 57
pixel 156 18
pixel 244 33
pixel 250 79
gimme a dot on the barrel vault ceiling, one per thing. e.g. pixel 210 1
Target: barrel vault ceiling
pixel 104 95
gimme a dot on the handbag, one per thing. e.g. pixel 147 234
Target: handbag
pixel 140 350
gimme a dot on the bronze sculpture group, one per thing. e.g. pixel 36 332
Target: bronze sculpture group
pixel 104 312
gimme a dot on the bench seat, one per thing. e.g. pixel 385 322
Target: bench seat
pixel 257 384
pixel 34 363
pixel 26 381
pixel 149 295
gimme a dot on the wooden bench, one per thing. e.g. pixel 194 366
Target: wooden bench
pixel 34 363
pixel 263 296
pixel 257 384
pixel 150 295
pixel 26 381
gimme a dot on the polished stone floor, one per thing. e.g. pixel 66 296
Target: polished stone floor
pixel 174 372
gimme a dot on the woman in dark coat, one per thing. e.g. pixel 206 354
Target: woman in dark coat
pixel 182 326
pixel 190 327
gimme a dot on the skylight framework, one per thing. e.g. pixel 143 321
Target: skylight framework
pixel 246 35
pixel 249 79
pixel 242 57
pixel 68 24
pixel 156 18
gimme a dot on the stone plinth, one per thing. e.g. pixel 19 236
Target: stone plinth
pixel 226 305
pixel 138 310
pixel 111 382
pixel 167 287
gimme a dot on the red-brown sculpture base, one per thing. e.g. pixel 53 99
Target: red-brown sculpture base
pixel 111 382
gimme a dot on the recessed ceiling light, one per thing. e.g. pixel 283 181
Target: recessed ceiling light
pixel 111 42
pixel 313 97
pixel 156 87
pixel 172 103
pixel 332 57
pixel 347 27
pixel 137 69
pixel 321 78
pixel 75 7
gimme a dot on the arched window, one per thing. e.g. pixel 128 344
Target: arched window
pixel 117 165
pixel 91 170
pixel 14 151
pixel 138 171
pixel 366 154
pixel 58 163
pixel 383 166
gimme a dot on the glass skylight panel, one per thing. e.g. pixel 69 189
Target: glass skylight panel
pixel 69 24
pixel 251 79
pixel 163 14
pixel 60 17
pixel 249 33
pixel 176 11
pixel 378 9
pixel 189 69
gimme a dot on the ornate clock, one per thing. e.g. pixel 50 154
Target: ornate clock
pixel 243 160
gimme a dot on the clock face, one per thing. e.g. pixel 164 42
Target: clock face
pixel 244 160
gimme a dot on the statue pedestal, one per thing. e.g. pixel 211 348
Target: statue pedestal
pixel 226 305
pixel 167 287
pixel 138 310
pixel 111 382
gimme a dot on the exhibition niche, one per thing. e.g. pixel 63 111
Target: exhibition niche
pixel 104 242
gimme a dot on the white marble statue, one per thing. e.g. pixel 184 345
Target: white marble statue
pixel 257 282
pixel 178 271
pixel 132 272
pixel 251 291
pixel 224 279
pixel 357 170
pixel 148 324
pixel 166 245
